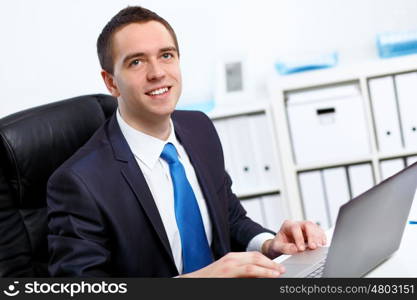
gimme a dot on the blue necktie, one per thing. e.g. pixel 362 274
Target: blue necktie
pixel 196 252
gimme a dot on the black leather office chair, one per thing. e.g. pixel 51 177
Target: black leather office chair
pixel 33 143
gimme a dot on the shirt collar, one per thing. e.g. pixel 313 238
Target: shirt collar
pixel 145 147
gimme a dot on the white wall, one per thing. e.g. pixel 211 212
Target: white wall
pixel 48 46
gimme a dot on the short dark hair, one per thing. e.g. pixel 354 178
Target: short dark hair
pixel 128 15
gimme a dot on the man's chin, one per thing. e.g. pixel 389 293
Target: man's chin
pixel 164 112
pixel 166 107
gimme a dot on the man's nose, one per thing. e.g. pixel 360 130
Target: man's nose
pixel 155 71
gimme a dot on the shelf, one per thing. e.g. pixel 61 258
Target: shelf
pixel 259 193
pixel 359 160
pixel 355 161
pixel 344 73
pixel 225 111
pixel 325 165
pixel 396 155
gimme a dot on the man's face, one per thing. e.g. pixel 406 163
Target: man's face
pixel 147 76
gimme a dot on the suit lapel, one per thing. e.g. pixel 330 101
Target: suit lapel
pixel 133 175
pixel 206 185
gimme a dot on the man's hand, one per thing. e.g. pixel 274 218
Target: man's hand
pixel 240 264
pixel 294 237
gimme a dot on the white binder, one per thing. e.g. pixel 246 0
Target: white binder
pixel 337 190
pixel 222 127
pixel 245 168
pixel 312 193
pixel 411 160
pixel 273 211
pixel 384 105
pixel 391 166
pixel 265 153
pixel 407 100
pixel 254 210
pixel 361 178
pixel 328 124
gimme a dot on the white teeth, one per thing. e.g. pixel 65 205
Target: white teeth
pixel 159 91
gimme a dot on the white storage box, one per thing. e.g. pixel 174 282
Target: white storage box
pixel 327 124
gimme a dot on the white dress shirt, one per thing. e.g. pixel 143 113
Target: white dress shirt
pixel 147 150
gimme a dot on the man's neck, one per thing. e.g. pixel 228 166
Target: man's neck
pixel 159 128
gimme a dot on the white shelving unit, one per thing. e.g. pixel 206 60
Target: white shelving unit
pixel 285 198
pixel 260 195
pixel 283 87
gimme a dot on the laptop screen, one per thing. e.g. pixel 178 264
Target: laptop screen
pixel 369 227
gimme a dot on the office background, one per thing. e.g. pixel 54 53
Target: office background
pixel 48 47
pixel 48 54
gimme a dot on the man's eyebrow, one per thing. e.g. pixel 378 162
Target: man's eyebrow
pixel 133 55
pixel 167 49
pixel 141 54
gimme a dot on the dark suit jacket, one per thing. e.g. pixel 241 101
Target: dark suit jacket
pixel 103 220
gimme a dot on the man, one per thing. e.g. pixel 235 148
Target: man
pixel 148 195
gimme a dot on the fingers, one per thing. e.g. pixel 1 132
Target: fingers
pixel 257 258
pixel 323 236
pixel 254 271
pixel 279 245
pixel 298 236
pixel 242 264
pixel 314 235
pixel 313 239
pixel 287 248
pixel 251 264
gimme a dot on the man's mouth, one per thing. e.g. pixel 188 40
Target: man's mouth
pixel 159 91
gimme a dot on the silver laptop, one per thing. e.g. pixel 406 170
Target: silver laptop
pixel 368 230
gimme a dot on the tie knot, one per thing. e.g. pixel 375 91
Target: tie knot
pixel 169 154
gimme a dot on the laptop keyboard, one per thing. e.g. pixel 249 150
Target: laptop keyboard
pixel 318 272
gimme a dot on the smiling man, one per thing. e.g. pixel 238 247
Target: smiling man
pixel 148 195
pixel 146 76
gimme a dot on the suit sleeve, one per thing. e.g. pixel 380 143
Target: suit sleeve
pixel 77 238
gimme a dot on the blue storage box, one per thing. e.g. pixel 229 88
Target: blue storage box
pixel 301 64
pixel 397 43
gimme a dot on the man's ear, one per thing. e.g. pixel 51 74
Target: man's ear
pixel 110 84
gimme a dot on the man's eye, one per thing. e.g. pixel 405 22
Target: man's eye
pixel 135 62
pixel 167 55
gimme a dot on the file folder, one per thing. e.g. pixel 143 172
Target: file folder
pixel 312 194
pixel 222 128
pixel 243 156
pixel 390 167
pixel 385 112
pixel 361 178
pixel 254 210
pixel 273 211
pixel 266 160
pixel 407 100
pixel 337 190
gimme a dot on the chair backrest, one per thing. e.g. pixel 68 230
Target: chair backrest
pixel 33 143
